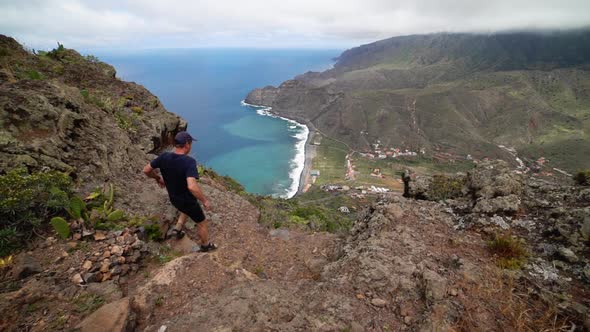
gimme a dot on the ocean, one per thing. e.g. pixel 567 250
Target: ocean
pixel 207 88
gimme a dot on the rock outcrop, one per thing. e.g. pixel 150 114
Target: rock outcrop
pixel 60 110
pixel 553 219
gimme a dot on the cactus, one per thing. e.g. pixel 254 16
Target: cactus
pixel 116 215
pixel 106 209
pixel 93 195
pixel 77 206
pixel 61 227
pixel 110 194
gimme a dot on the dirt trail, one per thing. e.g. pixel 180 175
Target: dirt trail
pixel 247 251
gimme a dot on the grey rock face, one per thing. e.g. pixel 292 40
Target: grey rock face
pixel 502 204
pixel 263 97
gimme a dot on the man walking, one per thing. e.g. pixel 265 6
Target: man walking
pixel 180 175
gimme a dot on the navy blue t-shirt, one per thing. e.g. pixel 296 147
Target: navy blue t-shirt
pixel 175 168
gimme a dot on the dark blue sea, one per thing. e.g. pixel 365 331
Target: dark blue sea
pixel 206 87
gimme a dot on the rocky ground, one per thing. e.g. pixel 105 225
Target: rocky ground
pixel 405 265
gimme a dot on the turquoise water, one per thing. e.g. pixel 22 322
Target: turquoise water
pixel 206 87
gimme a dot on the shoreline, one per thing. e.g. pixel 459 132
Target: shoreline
pixel 310 153
pixel 302 155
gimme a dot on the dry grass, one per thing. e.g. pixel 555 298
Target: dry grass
pixel 509 251
pixel 503 304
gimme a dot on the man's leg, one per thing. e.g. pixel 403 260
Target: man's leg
pixel 181 221
pixel 203 232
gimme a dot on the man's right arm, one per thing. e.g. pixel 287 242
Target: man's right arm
pixel 150 172
pixel 194 188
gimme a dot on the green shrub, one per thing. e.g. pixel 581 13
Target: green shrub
pixel 307 212
pixel 137 110
pixel 34 75
pixel 92 58
pixel 87 303
pixel 153 232
pixel 116 215
pixel 8 241
pixel 445 187
pixel 57 53
pixel 124 122
pixel 57 199
pixel 26 203
pixel 509 250
pixel 228 182
pixel 583 178
pixel 4 52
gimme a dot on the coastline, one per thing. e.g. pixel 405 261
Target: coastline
pixel 310 153
pixel 302 158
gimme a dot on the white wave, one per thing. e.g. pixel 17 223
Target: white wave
pixel 298 162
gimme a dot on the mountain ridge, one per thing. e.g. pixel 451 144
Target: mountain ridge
pixel 436 92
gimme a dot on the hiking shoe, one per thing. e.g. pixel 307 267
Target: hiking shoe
pixel 176 233
pixel 209 247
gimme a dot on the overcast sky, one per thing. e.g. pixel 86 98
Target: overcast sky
pixel 130 24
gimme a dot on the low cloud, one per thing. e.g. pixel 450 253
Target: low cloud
pixel 260 23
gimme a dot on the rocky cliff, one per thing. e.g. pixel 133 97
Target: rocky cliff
pixel 60 110
pixel 457 93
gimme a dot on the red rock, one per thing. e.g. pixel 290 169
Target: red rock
pixel 113 317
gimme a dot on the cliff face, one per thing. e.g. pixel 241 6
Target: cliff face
pixel 63 111
pixel 463 94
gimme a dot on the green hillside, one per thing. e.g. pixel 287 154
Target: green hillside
pixel 454 93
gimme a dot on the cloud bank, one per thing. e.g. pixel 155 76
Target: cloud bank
pixel 132 24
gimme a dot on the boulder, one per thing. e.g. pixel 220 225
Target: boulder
pixel 92 277
pixel 379 303
pixel 435 286
pixel 114 317
pixel 116 250
pixel 25 266
pixel 108 290
pixel 416 186
pixel 567 254
pixel 494 178
pixel 503 204
pixel 434 188
pixel 77 279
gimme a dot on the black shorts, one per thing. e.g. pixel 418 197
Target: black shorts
pixel 192 209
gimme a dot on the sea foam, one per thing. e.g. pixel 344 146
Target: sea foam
pixel 298 162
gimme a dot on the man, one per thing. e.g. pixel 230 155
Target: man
pixel 180 175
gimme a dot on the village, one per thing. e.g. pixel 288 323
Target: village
pixel 382 152
pixel 376 171
pixel 361 181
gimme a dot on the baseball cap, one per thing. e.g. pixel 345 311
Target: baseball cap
pixel 183 138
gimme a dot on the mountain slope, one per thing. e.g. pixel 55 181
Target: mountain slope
pixel 458 93
pixel 62 111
